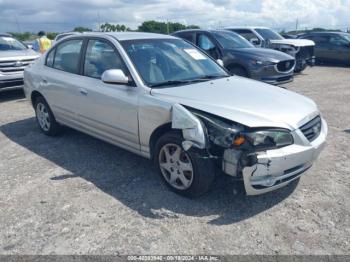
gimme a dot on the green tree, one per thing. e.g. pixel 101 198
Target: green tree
pixel 163 27
pixel 82 29
pixel 107 27
pixel 51 35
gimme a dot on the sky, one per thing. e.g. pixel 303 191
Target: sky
pixel 64 15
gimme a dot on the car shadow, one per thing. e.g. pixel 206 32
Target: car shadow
pixel 8 95
pixel 133 181
pixel 330 64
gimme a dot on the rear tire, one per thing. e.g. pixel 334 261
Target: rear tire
pixel 185 172
pixel 45 118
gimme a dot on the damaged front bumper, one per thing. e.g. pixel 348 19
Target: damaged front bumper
pixel 276 168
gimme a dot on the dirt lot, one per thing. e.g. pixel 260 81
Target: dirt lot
pixel 77 195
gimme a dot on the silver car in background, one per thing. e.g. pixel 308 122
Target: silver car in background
pixel 160 97
pixel 14 57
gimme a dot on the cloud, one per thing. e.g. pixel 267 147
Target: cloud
pixel 64 15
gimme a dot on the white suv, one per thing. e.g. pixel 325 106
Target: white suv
pixel 14 57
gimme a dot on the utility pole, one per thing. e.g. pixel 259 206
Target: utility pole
pixel 99 21
pixel 167 26
pixel 18 27
pixel 296 25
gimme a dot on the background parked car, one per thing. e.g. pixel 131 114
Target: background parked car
pixel 302 50
pixel 240 57
pixel 14 57
pixel 289 36
pixel 330 46
pixel 63 35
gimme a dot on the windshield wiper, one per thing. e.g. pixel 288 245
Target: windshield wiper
pixel 188 81
pixel 171 82
pixel 209 77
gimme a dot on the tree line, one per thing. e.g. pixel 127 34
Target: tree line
pixel 151 26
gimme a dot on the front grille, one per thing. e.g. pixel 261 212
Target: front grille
pixel 285 66
pixel 11 83
pixel 312 129
pixel 13 66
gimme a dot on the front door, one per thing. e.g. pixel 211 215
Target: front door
pixel 339 48
pixel 109 111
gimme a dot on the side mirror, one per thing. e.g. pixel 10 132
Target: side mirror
pixel 220 62
pixel 255 41
pixel 114 76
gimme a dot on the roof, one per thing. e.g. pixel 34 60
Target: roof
pixel 5 34
pixel 246 27
pixel 121 36
pixel 203 30
pixel 325 32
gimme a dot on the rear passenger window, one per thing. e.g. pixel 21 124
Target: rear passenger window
pixel 67 56
pixel 101 56
pixel 187 36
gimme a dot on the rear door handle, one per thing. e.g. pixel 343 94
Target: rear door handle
pixel 83 91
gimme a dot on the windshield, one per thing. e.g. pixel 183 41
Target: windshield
pixel 346 36
pixel 8 43
pixel 268 34
pixel 230 40
pixel 166 62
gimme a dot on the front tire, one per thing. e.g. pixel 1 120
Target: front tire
pixel 186 173
pixel 300 68
pixel 45 118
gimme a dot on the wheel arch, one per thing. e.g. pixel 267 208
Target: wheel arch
pixel 237 65
pixel 34 95
pixel 156 134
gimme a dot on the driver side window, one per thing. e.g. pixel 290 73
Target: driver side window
pixel 205 43
pixel 101 56
pixel 338 41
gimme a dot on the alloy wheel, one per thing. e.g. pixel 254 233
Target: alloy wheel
pixel 43 116
pixel 176 166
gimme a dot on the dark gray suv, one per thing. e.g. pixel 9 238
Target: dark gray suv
pixel 331 47
pixel 240 57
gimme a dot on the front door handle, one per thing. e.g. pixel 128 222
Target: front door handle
pixel 83 91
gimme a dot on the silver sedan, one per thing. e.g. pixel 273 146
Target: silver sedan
pixel 162 98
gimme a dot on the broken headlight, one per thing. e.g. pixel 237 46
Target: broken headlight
pixel 269 139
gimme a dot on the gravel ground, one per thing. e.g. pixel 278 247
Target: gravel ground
pixel 77 195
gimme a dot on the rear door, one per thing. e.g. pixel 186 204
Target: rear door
pixel 109 111
pixel 60 78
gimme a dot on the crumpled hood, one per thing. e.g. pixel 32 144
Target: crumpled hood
pixel 263 53
pixel 18 55
pixel 294 42
pixel 245 101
